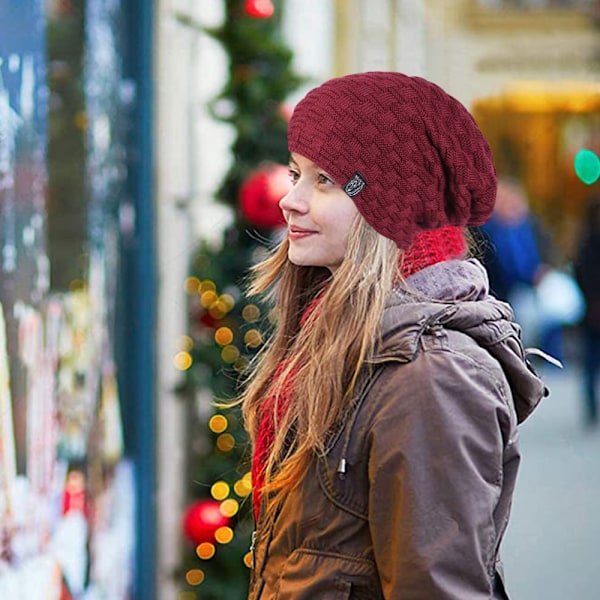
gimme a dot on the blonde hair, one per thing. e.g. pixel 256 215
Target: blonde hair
pixel 320 360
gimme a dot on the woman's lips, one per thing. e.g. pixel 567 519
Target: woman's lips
pixel 297 233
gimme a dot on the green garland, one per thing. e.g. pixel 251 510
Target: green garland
pixel 226 329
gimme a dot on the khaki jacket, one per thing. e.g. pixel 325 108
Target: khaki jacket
pixel 412 498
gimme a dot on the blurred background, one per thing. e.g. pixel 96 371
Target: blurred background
pixel 142 153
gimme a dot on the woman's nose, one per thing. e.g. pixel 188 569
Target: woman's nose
pixel 294 201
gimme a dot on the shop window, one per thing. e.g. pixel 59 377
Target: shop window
pixel 66 487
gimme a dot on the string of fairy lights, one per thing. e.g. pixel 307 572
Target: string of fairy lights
pixel 228 496
pixel 218 306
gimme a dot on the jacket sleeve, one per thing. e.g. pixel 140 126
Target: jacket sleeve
pixel 438 448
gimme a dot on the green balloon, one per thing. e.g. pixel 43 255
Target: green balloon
pixel 587 166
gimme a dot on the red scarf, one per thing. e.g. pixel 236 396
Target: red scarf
pixel 265 436
pixel 433 246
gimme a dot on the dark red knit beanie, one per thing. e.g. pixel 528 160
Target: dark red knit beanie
pixel 410 156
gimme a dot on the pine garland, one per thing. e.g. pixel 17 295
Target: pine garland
pixel 226 329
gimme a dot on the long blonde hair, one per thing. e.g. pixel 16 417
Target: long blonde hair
pixel 320 360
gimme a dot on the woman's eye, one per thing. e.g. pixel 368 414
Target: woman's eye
pixel 324 179
pixel 294 175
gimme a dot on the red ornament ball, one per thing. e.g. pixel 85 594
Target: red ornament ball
pixel 202 519
pixel 260 195
pixel 259 9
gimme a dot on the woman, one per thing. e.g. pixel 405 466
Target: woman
pixel 383 412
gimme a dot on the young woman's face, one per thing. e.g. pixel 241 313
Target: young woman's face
pixel 319 215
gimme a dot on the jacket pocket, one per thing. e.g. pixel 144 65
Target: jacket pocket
pixel 318 575
pixel 347 490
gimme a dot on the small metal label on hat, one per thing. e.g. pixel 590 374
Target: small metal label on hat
pixel 355 185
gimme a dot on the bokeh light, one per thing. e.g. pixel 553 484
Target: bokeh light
pixel 253 338
pixel 218 423
pixel 229 507
pixel 242 487
pixel 587 166
pixel 208 298
pixel 186 343
pixel 219 490
pixel 226 442
pixel 223 336
pixel 227 300
pixel 218 310
pixel 182 361
pixel 194 576
pixel 251 313
pixel 224 535
pixel 230 354
pixel 191 285
pixel 207 286
pixel 205 550
pixel 248 559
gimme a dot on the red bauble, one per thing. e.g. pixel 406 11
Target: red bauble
pixel 260 195
pixel 259 9
pixel 202 519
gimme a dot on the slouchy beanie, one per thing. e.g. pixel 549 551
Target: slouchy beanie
pixel 410 155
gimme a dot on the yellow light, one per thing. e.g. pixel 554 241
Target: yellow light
pixel 205 550
pixel 241 364
pixel 186 596
pixel 219 490
pixel 253 338
pixel 248 559
pixel 207 286
pixel 225 443
pixel 228 301
pixel 182 361
pixel 242 487
pixel 218 310
pixel 191 285
pixel 208 298
pixel 224 535
pixel 186 343
pixel 194 576
pixel 229 507
pixel 223 336
pixel 230 354
pixel 218 423
pixel 251 313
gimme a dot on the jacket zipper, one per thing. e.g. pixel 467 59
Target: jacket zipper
pixel 252 550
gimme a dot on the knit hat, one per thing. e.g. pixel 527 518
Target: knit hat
pixel 410 156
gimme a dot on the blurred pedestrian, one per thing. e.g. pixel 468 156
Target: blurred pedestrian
pixel 383 411
pixel 587 274
pixel 513 259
